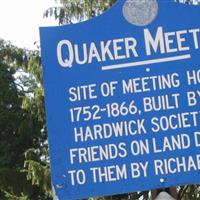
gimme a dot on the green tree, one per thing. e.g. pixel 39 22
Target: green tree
pixel 24 171
pixel 72 11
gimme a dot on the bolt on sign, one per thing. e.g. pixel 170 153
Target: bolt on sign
pixel 123 99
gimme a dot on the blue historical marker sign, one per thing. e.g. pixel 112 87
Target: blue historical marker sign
pixel 123 99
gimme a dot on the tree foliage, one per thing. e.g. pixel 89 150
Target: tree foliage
pixel 24 171
pixel 72 11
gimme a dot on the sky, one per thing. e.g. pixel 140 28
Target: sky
pixel 20 21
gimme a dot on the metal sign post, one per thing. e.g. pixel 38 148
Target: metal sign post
pixel 164 194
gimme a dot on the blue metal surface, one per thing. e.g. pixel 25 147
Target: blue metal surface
pixel 123 102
